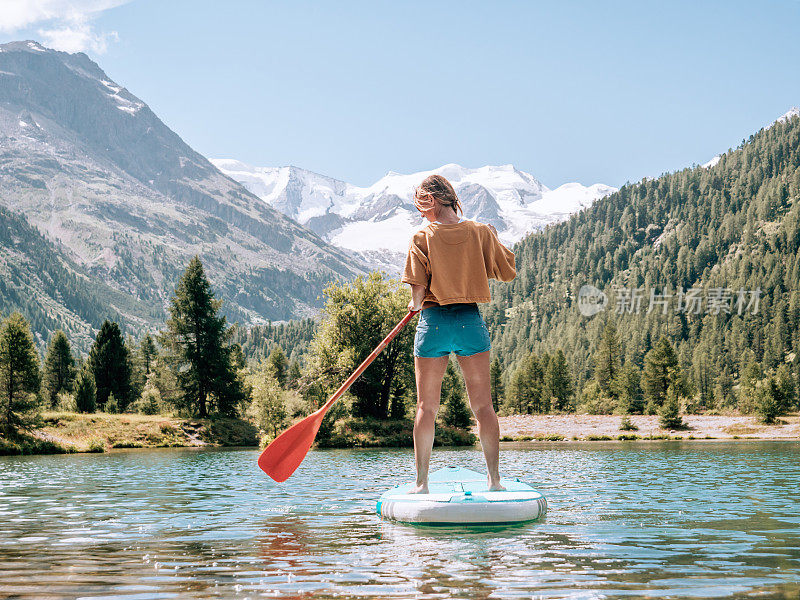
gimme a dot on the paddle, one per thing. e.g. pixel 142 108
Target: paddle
pixel 285 453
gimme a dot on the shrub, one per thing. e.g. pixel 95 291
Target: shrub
pixel 594 402
pixel 626 425
pixel 97 445
pixel 112 406
pixel 149 403
pixel 65 402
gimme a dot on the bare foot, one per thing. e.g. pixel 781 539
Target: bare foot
pixel 494 486
pixel 420 489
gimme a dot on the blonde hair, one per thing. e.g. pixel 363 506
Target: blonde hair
pixel 434 190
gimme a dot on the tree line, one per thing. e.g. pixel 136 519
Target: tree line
pixel 193 367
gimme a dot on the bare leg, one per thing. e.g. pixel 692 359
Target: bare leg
pixel 476 375
pixel 429 373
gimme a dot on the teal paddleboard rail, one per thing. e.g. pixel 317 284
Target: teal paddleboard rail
pixel 461 496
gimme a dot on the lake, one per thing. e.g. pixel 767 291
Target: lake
pixel 679 519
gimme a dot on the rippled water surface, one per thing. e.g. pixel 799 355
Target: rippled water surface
pixel 675 519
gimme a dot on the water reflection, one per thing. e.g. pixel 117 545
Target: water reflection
pixel 673 519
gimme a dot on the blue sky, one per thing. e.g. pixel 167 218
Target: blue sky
pixel 568 91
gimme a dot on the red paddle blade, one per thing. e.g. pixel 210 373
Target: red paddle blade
pixel 285 453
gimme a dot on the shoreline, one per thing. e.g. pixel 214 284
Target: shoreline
pixel 100 432
pixel 67 433
pixel 571 427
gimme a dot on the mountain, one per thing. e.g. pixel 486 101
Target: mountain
pixel 128 202
pixel 730 228
pixel 376 222
pixel 52 291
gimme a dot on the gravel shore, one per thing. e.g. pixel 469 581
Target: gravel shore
pixel 587 427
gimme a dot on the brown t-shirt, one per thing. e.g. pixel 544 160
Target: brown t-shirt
pixel 456 260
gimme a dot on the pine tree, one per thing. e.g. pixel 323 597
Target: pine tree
pixel 142 360
pixel 279 365
pixel 85 391
pixel 294 374
pixel 767 400
pixel 787 390
pixel 148 353
pixel 496 383
pixel 19 374
pixel 661 369
pixel 59 368
pixel 559 382
pixel 629 387
pixel 238 361
pixel 723 390
pixel 526 388
pixel 197 342
pixel 110 365
pixel 455 411
pixel 669 413
pixel 607 360
pixel 751 374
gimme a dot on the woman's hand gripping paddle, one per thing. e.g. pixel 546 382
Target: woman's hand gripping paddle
pixel 285 453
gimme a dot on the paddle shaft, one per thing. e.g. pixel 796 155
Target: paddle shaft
pixel 367 361
pixel 285 453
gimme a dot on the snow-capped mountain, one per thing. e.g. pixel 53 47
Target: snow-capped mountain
pixel 377 221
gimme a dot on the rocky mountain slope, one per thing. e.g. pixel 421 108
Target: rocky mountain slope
pixel 90 166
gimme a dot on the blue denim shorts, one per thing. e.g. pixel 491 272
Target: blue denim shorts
pixel 458 328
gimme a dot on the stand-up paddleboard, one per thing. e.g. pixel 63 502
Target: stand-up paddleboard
pixel 460 496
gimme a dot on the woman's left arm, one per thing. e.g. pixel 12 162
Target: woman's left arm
pixel 417 296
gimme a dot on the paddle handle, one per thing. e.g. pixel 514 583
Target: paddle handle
pixel 343 388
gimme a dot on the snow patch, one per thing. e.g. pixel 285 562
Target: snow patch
pixel 390 234
pixel 788 115
pixel 712 162
pixel 123 104
pixel 35 46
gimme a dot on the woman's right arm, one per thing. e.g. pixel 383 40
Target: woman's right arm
pixel 500 260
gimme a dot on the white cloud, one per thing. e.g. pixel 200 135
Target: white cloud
pixel 76 38
pixel 64 24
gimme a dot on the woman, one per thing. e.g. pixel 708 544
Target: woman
pixel 448 266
